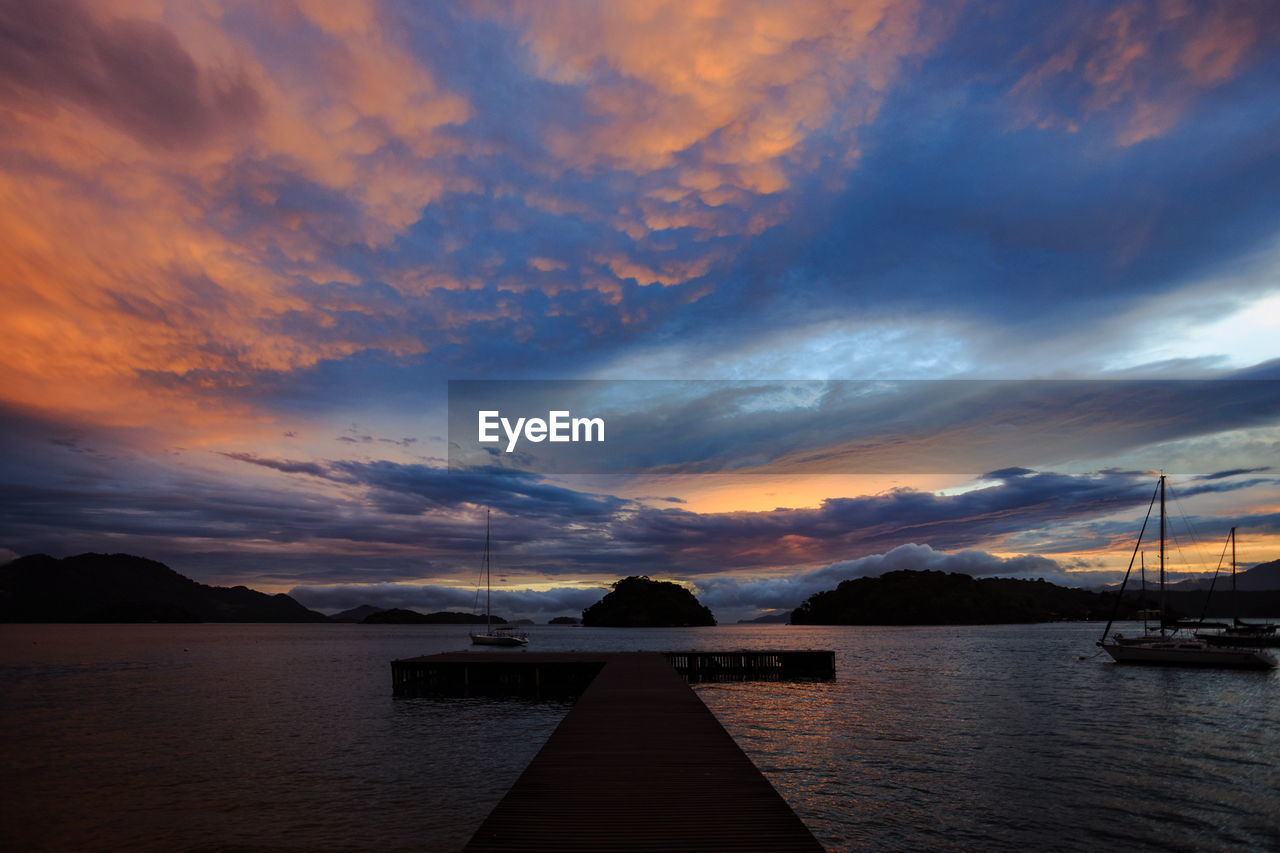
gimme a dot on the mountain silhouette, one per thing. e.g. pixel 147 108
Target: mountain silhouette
pixel 125 588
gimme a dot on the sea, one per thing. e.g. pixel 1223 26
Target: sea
pixel 287 737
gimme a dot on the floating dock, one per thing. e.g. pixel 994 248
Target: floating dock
pixel 550 675
pixel 535 675
pixel 769 665
pixel 638 764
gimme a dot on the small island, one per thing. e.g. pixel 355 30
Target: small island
pixel 638 602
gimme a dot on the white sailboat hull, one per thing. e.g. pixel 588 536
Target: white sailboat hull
pixel 1172 652
pixel 499 640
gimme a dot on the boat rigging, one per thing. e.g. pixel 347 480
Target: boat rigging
pixel 1166 647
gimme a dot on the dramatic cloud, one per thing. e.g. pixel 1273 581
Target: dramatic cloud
pixel 244 246
pixel 727 102
pixel 130 73
pixel 173 185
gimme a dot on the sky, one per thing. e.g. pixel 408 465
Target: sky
pixel 245 248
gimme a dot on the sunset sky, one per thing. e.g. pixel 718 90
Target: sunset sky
pixel 244 247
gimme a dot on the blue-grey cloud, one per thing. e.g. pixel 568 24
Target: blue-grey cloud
pixel 850 426
pixel 1234 472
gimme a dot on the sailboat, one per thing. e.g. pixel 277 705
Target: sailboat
pixel 1239 632
pixel 1166 648
pixel 494 636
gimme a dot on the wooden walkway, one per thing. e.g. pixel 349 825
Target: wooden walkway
pixel 640 764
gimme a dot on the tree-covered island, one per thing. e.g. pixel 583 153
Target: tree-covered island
pixel 938 598
pixel 638 602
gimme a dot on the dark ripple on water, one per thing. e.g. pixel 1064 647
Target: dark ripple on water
pixel 270 737
pixel 1001 738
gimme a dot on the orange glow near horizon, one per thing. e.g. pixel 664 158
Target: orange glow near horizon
pixel 729 493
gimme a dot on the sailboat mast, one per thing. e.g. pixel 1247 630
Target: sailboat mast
pixel 1235 604
pixel 1142 569
pixel 1115 609
pixel 488 612
pixel 1162 596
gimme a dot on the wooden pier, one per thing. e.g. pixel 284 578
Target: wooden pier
pixel 638 764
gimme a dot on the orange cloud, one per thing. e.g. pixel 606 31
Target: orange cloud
pixel 547 264
pixel 672 271
pixel 736 89
pixel 1143 64
pixel 715 106
pixel 178 176
pixel 166 187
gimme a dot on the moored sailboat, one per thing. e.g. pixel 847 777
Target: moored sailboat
pixel 1165 647
pixel 1240 633
pixel 494 636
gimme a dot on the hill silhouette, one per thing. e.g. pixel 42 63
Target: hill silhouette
pixel 1263 577
pixel 638 602
pixel 125 588
pixel 1257 594
pixel 356 614
pixel 938 598
pixel 401 616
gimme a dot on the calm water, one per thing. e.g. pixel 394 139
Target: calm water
pixel 274 737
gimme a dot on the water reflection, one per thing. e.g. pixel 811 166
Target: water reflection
pixel 209 737
pixel 159 737
pixel 1000 737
